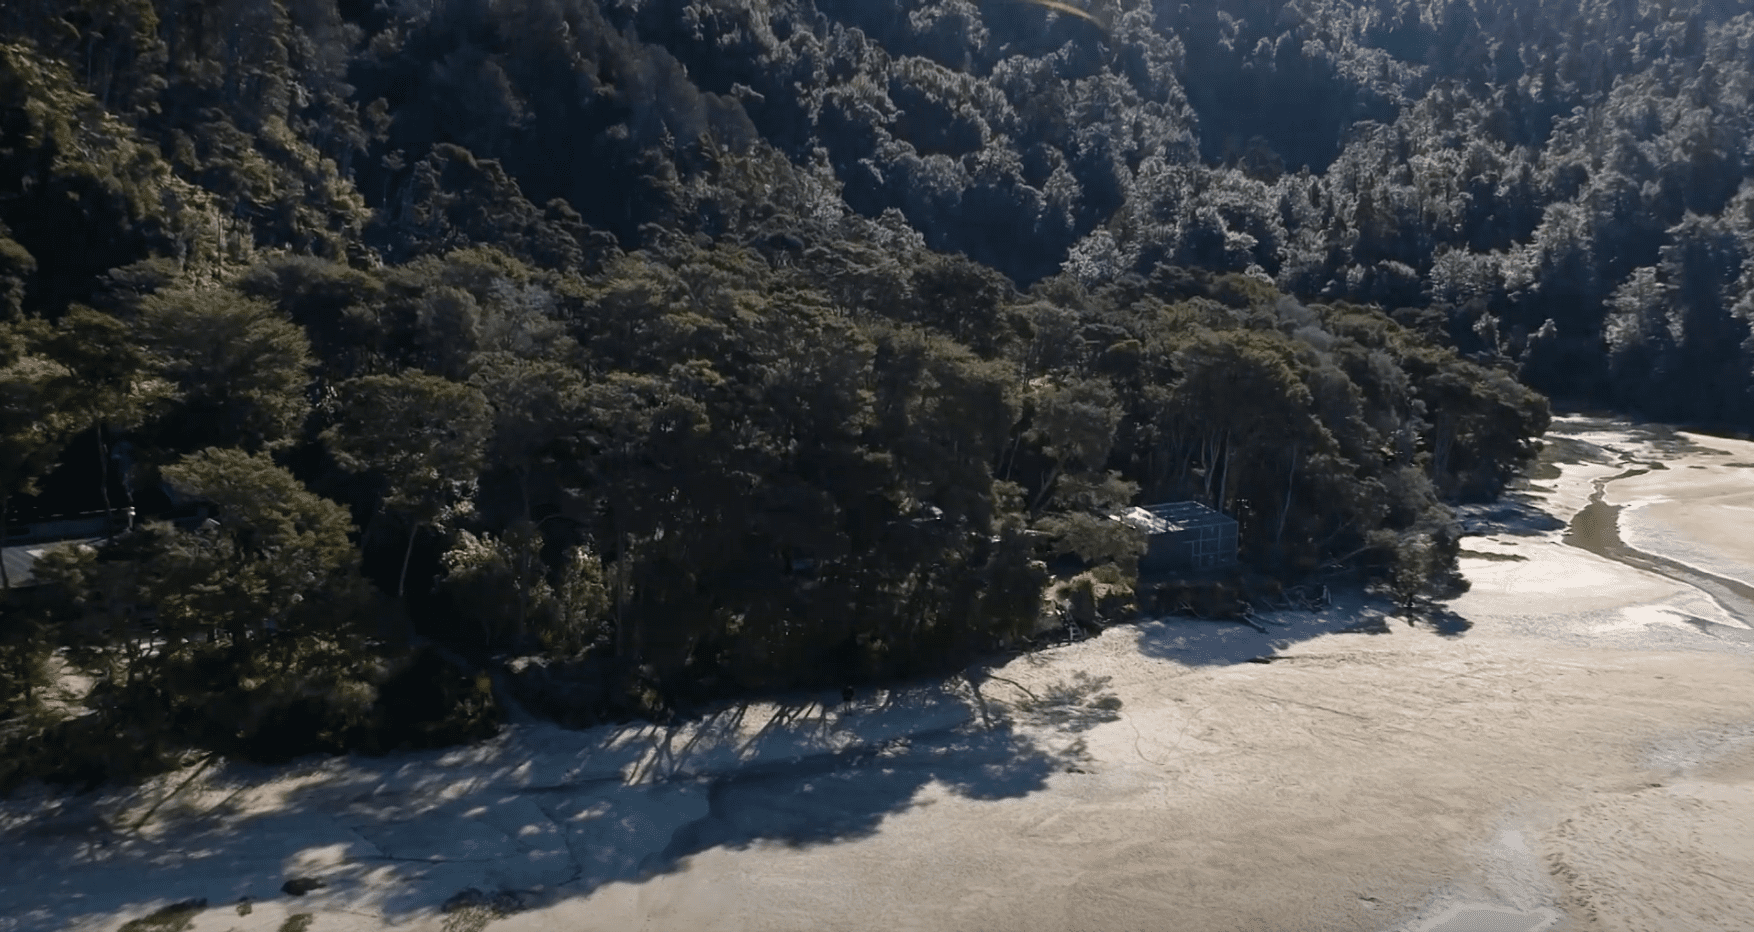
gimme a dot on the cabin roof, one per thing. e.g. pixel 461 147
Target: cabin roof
pixel 1170 517
pixel 21 560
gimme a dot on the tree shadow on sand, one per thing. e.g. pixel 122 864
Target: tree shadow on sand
pixel 1213 642
pixel 1514 514
pixel 539 813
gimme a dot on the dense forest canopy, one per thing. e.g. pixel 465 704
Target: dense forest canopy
pixel 700 346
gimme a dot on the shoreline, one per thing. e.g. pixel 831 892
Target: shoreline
pixel 1374 775
pixel 1596 530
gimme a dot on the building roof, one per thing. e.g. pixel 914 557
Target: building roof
pixel 1169 517
pixel 65 527
pixel 22 559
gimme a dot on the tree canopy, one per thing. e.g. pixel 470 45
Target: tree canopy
pixel 727 345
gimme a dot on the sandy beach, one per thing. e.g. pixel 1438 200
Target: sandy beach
pixel 1569 747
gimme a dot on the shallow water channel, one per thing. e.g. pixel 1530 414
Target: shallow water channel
pixel 1596 529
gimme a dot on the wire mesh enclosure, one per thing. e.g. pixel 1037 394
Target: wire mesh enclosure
pixel 1183 536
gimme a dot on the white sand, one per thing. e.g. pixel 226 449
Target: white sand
pixel 1580 758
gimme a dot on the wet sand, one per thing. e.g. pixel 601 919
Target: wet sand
pixel 1596 528
pixel 1572 750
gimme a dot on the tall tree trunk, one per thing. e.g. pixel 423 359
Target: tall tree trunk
pixel 103 482
pixel 128 491
pixel 1223 501
pixel 1209 459
pixel 29 676
pixel 5 503
pixel 1285 507
pixel 623 562
pixel 1224 487
pixel 524 576
pixel 1010 456
pixel 1047 490
pixel 407 554
pixel 369 532
pixel 1187 458
pixel 524 489
pixel 1442 439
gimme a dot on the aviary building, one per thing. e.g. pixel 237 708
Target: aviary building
pixel 1184 537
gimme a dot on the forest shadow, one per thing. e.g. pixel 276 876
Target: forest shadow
pixel 1210 642
pixel 539 813
pixel 1513 514
pixel 1214 642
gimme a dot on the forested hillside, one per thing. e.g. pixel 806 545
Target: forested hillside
pixel 729 345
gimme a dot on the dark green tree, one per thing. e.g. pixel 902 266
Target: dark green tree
pixel 237 367
pixel 114 380
pixel 260 617
pixel 423 436
pixel 40 411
